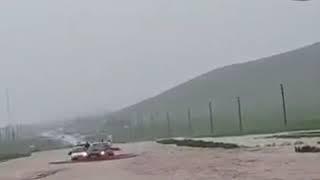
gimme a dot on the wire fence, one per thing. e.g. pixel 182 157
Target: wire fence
pixel 208 120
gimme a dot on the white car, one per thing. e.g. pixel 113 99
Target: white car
pixel 79 153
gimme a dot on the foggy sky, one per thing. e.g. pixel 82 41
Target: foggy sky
pixel 65 58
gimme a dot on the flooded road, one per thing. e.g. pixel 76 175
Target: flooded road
pixel 161 162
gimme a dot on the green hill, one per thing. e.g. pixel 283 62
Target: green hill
pixel 257 83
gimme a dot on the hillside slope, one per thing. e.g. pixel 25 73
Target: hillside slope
pixel 257 83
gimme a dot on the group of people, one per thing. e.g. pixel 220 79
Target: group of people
pixel 109 142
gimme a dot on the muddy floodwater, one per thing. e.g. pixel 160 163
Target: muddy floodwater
pixel 162 162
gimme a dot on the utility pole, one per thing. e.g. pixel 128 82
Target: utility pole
pixel 239 114
pixel 8 106
pixel 211 117
pixel 10 123
pixel 284 108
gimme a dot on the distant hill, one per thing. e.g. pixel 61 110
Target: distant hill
pixel 257 83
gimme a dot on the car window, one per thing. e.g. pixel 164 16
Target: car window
pixel 97 146
pixel 78 150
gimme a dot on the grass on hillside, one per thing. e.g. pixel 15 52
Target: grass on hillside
pixel 25 147
pixel 6 157
pixel 202 129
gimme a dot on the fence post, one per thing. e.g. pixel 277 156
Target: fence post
pixel 239 114
pixel 152 125
pixel 141 126
pixel 136 125
pixel 169 125
pixel 211 117
pixel 284 108
pixel 190 122
pixel 130 134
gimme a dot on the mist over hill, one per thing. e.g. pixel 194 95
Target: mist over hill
pixel 257 83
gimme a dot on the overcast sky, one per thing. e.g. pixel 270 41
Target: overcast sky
pixel 64 58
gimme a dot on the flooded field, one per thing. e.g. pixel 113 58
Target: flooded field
pixel 311 137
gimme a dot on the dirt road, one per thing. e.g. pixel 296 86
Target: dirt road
pixel 160 162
